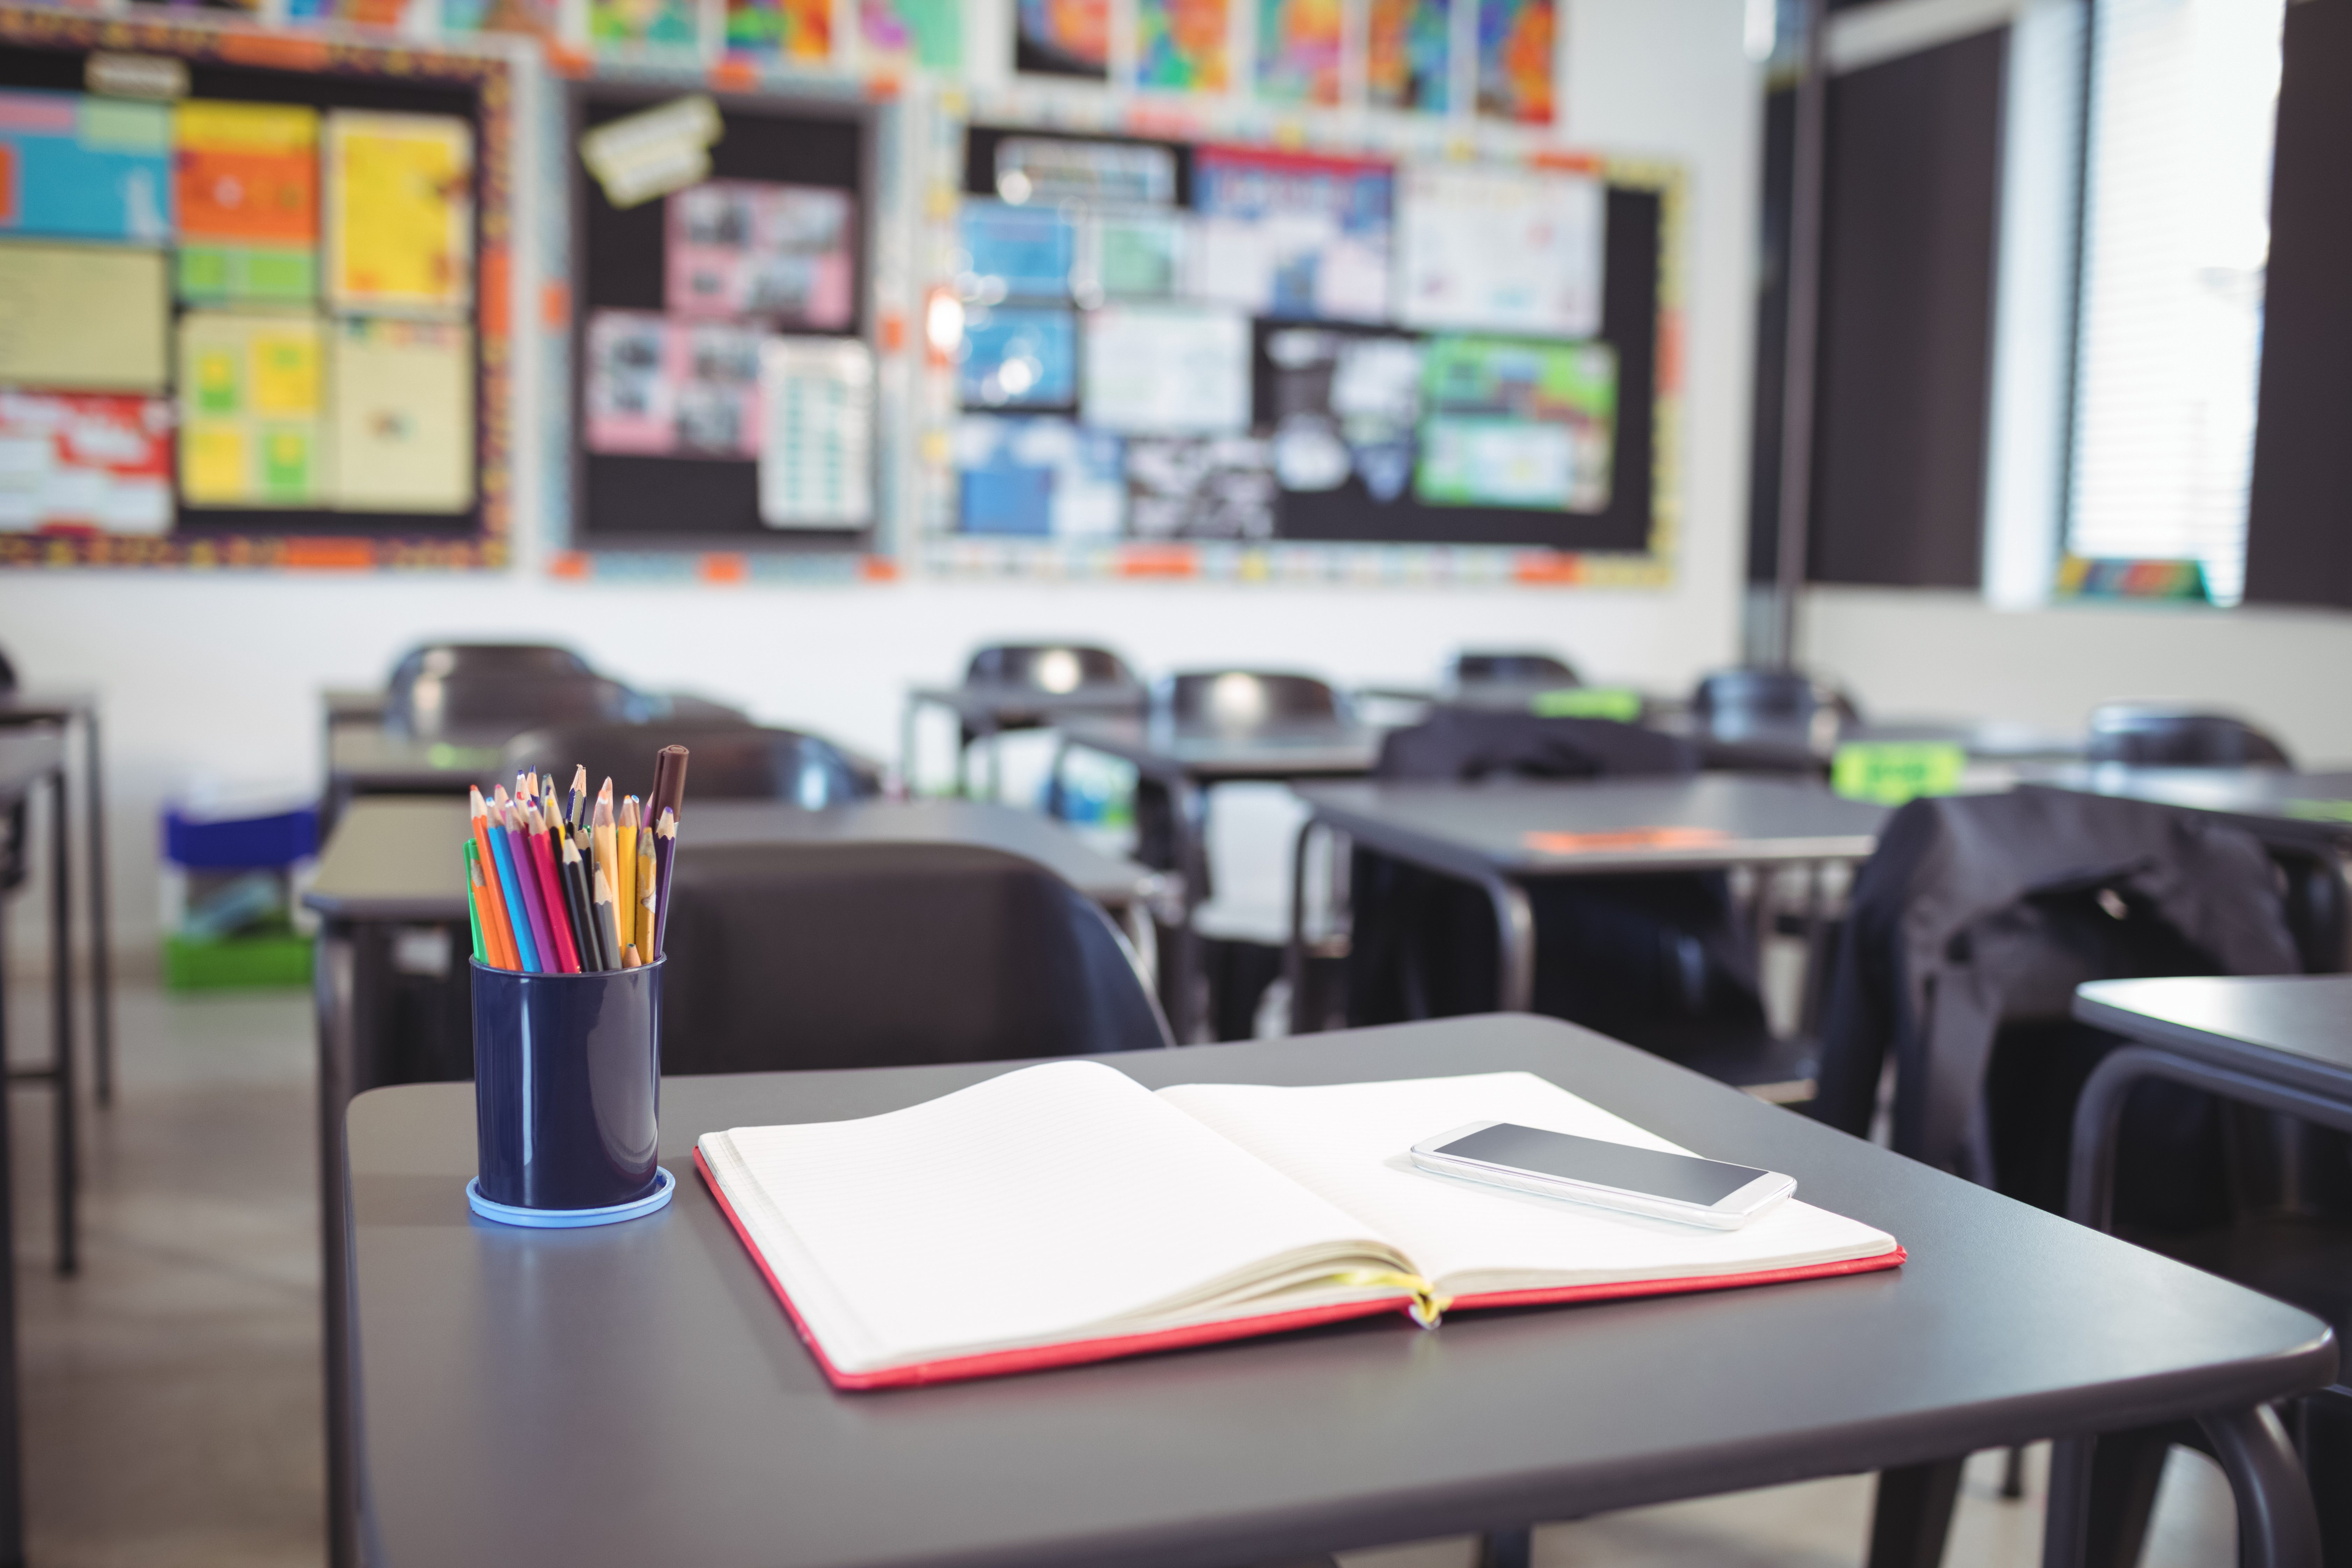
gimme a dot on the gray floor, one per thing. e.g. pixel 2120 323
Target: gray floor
pixel 172 1390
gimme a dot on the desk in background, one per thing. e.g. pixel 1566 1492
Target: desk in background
pixel 394 1000
pixel 65 711
pixel 1187 762
pixel 1489 835
pixel 985 711
pixel 636 1394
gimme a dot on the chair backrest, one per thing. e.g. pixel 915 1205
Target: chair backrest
pixel 860 954
pixel 7 673
pixel 2145 735
pixel 1484 667
pixel 1747 698
pixel 1047 667
pixel 1246 699
pixel 518 659
pixel 728 762
pixel 1466 745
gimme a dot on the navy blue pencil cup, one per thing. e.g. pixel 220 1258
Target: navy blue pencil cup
pixel 567 1097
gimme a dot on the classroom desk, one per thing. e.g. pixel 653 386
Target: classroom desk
pixel 635 1395
pixel 986 710
pixel 1802 748
pixel 28 761
pixel 1187 761
pixel 394 1003
pixel 64 712
pixel 1485 835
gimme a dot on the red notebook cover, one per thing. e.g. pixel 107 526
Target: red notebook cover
pixel 997 1363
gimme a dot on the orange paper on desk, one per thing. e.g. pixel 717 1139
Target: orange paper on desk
pixel 1624 838
pixel 1065 1213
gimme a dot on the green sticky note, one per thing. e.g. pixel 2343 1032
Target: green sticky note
pixel 2321 810
pixel 286 462
pixel 1892 771
pixel 1618 702
pixel 442 754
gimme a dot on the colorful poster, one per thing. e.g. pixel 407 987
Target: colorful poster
pixel 1343 404
pixel 817 439
pixel 247 179
pixel 1515 60
pixel 1049 169
pixel 1514 424
pixel 1018 358
pixel 654 151
pixel 1062 37
pixel 1298 51
pixel 85 168
pixel 530 18
pixel 1166 370
pixel 1500 249
pixel 83 317
pixel 1014 252
pixel 780 29
pixel 658 387
pixel 1137 255
pixel 389 14
pixel 1293 235
pixel 251 398
pixel 1220 486
pixel 403 415
pixel 1408 55
pixel 71 461
pixel 1038 477
pixel 783 254
pixel 400 213
pixel 1181 45
pixel 657 24
pixel 899 35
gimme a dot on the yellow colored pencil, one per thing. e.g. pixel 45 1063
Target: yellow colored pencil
pixel 625 867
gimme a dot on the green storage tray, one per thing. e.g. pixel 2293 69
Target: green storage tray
pixel 241 962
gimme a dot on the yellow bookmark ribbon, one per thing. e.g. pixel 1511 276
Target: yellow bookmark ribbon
pixel 1428 1306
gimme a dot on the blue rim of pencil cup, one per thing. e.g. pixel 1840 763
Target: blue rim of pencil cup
pixel 569 1219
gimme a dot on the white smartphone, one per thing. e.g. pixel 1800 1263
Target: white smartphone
pixel 1608 1176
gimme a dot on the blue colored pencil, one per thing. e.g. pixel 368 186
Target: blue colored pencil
pixel 502 851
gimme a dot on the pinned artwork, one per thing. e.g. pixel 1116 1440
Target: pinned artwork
pixel 402 415
pixel 1048 170
pixel 1517 424
pixel 744 248
pixel 1009 252
pixel 816 438
pixel 251 397
pixel 400 213
pixel 660 387
pixel 1166 370
pixel 83 317
pixel 1018 357
pixel 1408 55
pixel 1500 249
pixel 247 181
pixel 1062 37
pixel 1298 49
pixel 653 152
pixel 73 460
pixel 1515 43
pixel 1293 235
pixel 1180 46
pixel 899 35
pixel 796 31
pixel 1216 487
pixel 75 168
pixel 1344 403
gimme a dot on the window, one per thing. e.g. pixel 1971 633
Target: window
pixel 2176 233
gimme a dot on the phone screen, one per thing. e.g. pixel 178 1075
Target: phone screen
pixel 1681 1177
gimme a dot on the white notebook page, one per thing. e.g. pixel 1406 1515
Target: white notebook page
pixel 1021 1210
pixel 1350 1143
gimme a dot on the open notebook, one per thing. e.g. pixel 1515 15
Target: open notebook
pixel 1065 1213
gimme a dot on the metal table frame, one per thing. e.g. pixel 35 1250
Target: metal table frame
pixel 987 714
pixel 68 712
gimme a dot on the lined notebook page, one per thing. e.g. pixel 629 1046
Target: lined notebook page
pixel 1350 1143
pixel 1021 1210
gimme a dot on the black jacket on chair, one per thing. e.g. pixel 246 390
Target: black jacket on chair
pixel 1659 961
pixel 787 956
pixel 1970 930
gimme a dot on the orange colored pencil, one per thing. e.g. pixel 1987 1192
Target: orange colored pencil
pixel 498 934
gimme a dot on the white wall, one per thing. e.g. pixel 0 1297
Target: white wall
pixel 1912 652
pixel 218 673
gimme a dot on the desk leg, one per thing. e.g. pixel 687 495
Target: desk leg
pixel 1507 1549
pixel 1912 1515
pixel 1515 941
pixel 2277 1526
pixel 1294 955
pixel 1057 804
pixel 101 987
pixel 62 985
pixel 907 749
pixel 12 1495
pixel 333 987
pixel 1188 812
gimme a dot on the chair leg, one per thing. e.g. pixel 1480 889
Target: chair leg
pixel 1507 1549
pixel 1913 1514
pixel 2102 1492
pixel 2013 1475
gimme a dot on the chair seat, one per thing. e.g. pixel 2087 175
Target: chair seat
pixel 1747 1056
pixel 2302 1258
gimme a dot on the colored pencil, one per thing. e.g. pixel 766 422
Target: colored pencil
pixel 543 861
pixel 576 899
pixel 579 794
pixel 501 931
pixel 625 868
pixel 605 925
pixel 542 938
pixel 630 960
pixel 510 884
pixel 669 782
pixel 665 863
pixel 645 909
pixel 604 836
pixel 473 903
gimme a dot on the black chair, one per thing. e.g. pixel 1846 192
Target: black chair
pixel 1659 961
pixel 1968 931
pixel 1733 701
pixel 518 661
pixel 732 763
pixel 1240 699
pixel 476 690
pixel 2144 735
pixel 1057 667
pixel 787 956
pixel 1071 677
pixel 14 856
pixel 1474 668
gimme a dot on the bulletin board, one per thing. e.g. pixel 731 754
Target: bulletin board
pixel 702 316
pixel 1364 393
pixel 285 261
